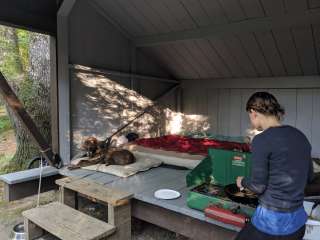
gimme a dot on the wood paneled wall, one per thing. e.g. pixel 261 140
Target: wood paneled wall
pixel 227 115
pixel 96 42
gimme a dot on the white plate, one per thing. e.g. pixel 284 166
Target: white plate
pixel 166 194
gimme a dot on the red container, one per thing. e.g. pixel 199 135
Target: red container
pixel 226 216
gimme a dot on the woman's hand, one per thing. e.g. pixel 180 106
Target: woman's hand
pixel 239 179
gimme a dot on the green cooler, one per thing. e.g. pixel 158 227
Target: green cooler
pixel 219 169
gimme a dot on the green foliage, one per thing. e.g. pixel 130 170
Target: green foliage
pixel 5 124
pixel 15 62
pixel 14 52
pixel 9 64
pixel 23 44
pixel 7 165
pixel 27 94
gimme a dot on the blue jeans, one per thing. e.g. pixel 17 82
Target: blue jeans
pixel 250 232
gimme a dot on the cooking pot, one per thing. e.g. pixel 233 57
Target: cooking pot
pixel 244 196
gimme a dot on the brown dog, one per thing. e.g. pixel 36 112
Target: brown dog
pixel 119 157
pixel 109 155
pixel 90 146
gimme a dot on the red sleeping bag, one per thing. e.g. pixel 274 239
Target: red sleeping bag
pixel 190 145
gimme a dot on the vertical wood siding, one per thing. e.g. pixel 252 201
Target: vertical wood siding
pixel 227 115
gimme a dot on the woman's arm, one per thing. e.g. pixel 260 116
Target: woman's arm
pixel 258 180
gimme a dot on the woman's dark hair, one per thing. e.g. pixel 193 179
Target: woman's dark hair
pixel 265 103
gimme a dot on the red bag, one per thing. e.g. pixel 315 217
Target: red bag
pixel 226 216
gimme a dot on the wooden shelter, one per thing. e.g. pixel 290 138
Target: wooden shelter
pixel 218 51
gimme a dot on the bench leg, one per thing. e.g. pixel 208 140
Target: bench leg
pixel 6 193
pixel 68 197
pixel 32 231
pixel 21 190
pixel 120 217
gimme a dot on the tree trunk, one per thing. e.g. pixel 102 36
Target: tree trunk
pixel 11 66
pixel 34 93
pixel 29 75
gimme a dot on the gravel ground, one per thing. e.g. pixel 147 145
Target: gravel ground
pixel 10 213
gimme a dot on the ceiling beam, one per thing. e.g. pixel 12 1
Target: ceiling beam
pixel 251 25
pixel 292 82
pixel 85 69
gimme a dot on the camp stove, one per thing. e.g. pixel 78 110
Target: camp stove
pixel 213 188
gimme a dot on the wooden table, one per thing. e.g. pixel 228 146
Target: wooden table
pixel 173 215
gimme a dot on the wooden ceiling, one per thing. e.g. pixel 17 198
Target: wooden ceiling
pixel 204 39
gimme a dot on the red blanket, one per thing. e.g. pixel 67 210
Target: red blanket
pixel 190 145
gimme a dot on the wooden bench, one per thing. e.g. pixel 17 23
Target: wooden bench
pixel 116 201
pixel 65 223
pixel 22 184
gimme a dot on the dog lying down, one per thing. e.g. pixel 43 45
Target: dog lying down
pixel 95 152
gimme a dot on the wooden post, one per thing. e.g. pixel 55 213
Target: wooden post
pixel 68 197
pixel 6 192
pixel 32 231
pixel 64 79
pixel 54 96
pixel 120 217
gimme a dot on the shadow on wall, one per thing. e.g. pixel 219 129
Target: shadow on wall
pixel 101 105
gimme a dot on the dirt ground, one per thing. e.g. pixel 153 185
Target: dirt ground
pixel 10 215
pixel 7 148
pixel 8 143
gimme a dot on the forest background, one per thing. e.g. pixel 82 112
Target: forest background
pixel 25 62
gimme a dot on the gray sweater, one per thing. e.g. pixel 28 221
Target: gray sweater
pixel 281 167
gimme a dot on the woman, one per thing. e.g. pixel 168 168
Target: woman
pixel 281 167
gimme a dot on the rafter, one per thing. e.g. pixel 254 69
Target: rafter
pixel 251 25
pixel 292 82
pixel 80 68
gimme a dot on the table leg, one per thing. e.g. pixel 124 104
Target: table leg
pixel 68 197
pixel 32 231
pixel 120 217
